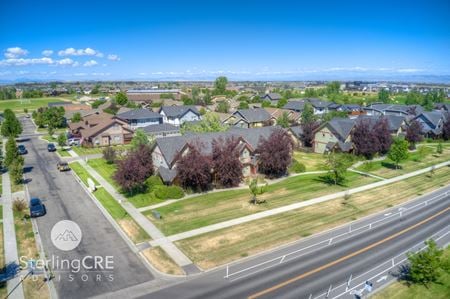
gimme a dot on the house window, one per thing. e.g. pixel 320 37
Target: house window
pixel 323 134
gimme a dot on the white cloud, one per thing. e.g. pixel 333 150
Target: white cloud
pixel 15 52
pixel 90 63
pixel 113 57
pixel 66 61
pixel 26 61
pixel 80 52
pixel 47 52
pixel 76 63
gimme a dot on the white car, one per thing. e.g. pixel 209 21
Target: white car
pixel 74 141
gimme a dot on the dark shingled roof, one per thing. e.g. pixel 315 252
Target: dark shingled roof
pixel 253 115
pixel 167 175
pixel 297 131
pixel 296 105
pixel 178 111
pixel 342 146
pixel 141 113
pixel 341 126
pixel 273 96
pixel 160 128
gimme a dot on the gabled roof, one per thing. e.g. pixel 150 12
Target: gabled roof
pixel 178 111
pixel 297 131
pixel 253 115
pixel 433 117
pixel 273 96
pixel 341 126
pixel 141 113
pixel 93 131
pixel 167 175
pixel 296 105
pixel 318 103
pixel 160 128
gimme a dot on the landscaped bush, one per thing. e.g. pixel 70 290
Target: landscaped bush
pixel 297 167
pixel 154 181
pixel 169 192
pixel 19 205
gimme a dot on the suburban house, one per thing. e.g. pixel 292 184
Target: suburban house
pixel 319 106
pixel 334 134
pixel 249 118
pixel 442 107
pixel 432 122
pixel 150 95
pixel 138 118
pixel 296 133
pixel 177 115
pixel 162 130
pixel 409 111
pixel 273 98
pixel 101 130
pixel 275 113
pixel 167 150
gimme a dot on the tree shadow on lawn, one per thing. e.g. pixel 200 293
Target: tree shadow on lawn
pixel 326 179
pixel 390 165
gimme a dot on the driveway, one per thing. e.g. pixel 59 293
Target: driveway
pixel 65 199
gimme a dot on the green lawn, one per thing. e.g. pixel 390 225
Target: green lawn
pixel 82 173
pixel 83 151
pixel 107 171
pixel 416 160
pixel 30 104
pixel 312 161
pixel 127 223
pixel 216 207
pixel 226 245
pixel 63 152
pixel 403 290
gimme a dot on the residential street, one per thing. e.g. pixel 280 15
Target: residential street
pixel 313 271
pixel 66 200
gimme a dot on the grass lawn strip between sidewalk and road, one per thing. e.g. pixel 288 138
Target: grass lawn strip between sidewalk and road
pixel 223 246
pixel 26 244
pixel 161 261
pixel 416 160
pixel 402 290
pixel 217 207
pixel 125 221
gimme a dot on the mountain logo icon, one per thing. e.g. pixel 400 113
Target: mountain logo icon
pixel 66 235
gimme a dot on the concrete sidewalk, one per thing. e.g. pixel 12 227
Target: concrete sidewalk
pixel 9 237
pixel 179 257
pixel 256 216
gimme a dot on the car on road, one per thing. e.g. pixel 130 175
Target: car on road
pixel 63 166
pixel 51 147
pixel 22 150
pixel 37 208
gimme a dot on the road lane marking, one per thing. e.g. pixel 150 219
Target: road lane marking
pixel 330 264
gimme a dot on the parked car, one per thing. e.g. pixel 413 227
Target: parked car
pixel 22 150
pixel 63 166
pixel 36 207
pixel 51 147
pixel 74 141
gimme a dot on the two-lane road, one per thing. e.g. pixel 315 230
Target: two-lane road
pixel 65 199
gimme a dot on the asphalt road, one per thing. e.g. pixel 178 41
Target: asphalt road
pixel 65 199
pixel 315 270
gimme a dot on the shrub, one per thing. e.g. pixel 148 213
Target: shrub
pixel 153 181
pixel 19 204
pixel 109 154
pixel 169 192
pixel 297 167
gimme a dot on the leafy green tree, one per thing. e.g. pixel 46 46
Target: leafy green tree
pixel 337 165
pixel 16 171
pixel 223 107
pixel 25 110
pixel 243 105
pixel 220 85
pixel 11 151
pixel 11 126
pixel 187 100
pixel 50 130
pixel 333 87
pixel 210 123
pixel 398 151
pixel 62 139
pixel 256 190
pixel 308 114
pixel 425 265
pixel 96 89
pixel 76 117
pixel 383 96
pixel 283 120
pixel 139 139
pixel 121 98
pixel 439 148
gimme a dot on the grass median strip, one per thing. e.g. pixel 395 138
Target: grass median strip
pixel 223 246
pixel 221 206
pixel 82 173
pixel 161 261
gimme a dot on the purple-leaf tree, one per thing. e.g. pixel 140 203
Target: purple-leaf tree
pixel 414 133
pixel 275 154
pixel 383 136
pixel 226 164
pixel 194 169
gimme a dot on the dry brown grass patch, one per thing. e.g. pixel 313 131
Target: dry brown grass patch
pixel 161 261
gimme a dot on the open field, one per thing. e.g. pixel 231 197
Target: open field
pixel 401 289
pixel 216 207
pixel 126 222
pixel 223 246
pixel 312 161
pixel 161 261
pixel 30 104
pixel 107 171
pixel 417 160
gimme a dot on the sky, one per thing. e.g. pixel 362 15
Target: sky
pixel 243 40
